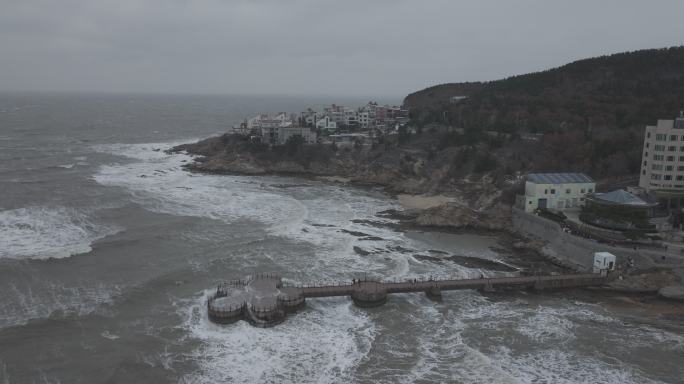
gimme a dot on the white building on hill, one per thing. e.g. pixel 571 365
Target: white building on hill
pixel 556 191
pixel 326 123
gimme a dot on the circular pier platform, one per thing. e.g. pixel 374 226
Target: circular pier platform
pixel 369 294
pixel 260 300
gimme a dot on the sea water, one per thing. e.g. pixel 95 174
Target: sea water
pixel 109 250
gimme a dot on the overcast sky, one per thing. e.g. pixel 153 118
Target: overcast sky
pixel 341 47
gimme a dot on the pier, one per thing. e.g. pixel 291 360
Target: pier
pixel 264 301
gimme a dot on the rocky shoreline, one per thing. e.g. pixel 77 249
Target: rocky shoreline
pixel 466 202
pixel 428 206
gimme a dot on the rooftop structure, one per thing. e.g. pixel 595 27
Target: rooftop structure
pixel 620 197
pixel 620 210
pixel 559 178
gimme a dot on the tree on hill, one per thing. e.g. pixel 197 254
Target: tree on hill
pixel 294 144
pixel 591 112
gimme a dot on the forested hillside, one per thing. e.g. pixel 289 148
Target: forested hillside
pixel 591 112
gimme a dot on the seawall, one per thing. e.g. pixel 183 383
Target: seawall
pixel 578 252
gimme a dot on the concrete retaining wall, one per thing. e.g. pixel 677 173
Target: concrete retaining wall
pixel 578 251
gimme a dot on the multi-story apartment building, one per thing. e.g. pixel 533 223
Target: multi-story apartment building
pixel 662 162
pixel 364 118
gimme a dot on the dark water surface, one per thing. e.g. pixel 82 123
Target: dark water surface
pixel 108 250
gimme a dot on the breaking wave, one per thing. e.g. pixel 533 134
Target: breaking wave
pixel 44 232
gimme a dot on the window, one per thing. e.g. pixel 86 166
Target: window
pixel 657 167
pixel 679 178
pixel 667 177
pixel 673 137
pixel 655 176
pixel 648 135
pixel 553 191
pixel 669 168
pixel 681 149
pixel 645 164
pixel 591 190
pixel 681 158
pixel 658 157
pixel 643 172
pixel 584 190
pixel 647 144
pixel 679 186
pixel 680 168
pixel 567 191
pixel 672 148
pixel 581 198
pixel 661 137
pixel 659 148
pixel 670 158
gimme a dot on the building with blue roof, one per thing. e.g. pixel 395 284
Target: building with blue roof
pixel 620 210
pixel 556 191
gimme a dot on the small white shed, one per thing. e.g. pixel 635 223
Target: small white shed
pixel 603 261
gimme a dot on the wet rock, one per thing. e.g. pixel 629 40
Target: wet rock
pixel 355 233
pixel 672 292
pixel 460 216
pixel 372 238
pixel 469 262
pixel 361 251
pixel 534 245
pixel 400 249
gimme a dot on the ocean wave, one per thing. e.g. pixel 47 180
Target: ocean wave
pixel 322 344
pixel 25 300
pixel 40 232
pixel 566 367
pixel 158 182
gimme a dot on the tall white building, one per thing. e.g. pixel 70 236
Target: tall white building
pixel 662 161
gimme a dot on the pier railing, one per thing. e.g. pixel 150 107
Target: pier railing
pixel 423 284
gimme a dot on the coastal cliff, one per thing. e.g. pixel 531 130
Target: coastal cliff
pixel 469 199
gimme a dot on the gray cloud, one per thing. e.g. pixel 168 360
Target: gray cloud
pixel 353 47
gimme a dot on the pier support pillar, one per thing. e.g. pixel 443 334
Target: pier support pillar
pixel 434 293
pixel 369 294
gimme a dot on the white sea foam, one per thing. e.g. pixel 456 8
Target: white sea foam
pixel 109 336
pixel 43 232
pixel 322 344
pixel 547 325
pixel 328 341
pixel 565 367
pixel 157 181
pixel 34 300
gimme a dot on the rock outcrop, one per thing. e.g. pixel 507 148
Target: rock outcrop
pixel 475 199
pixel 460 216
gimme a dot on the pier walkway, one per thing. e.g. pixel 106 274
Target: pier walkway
pixel 536 282
pixel 264 301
